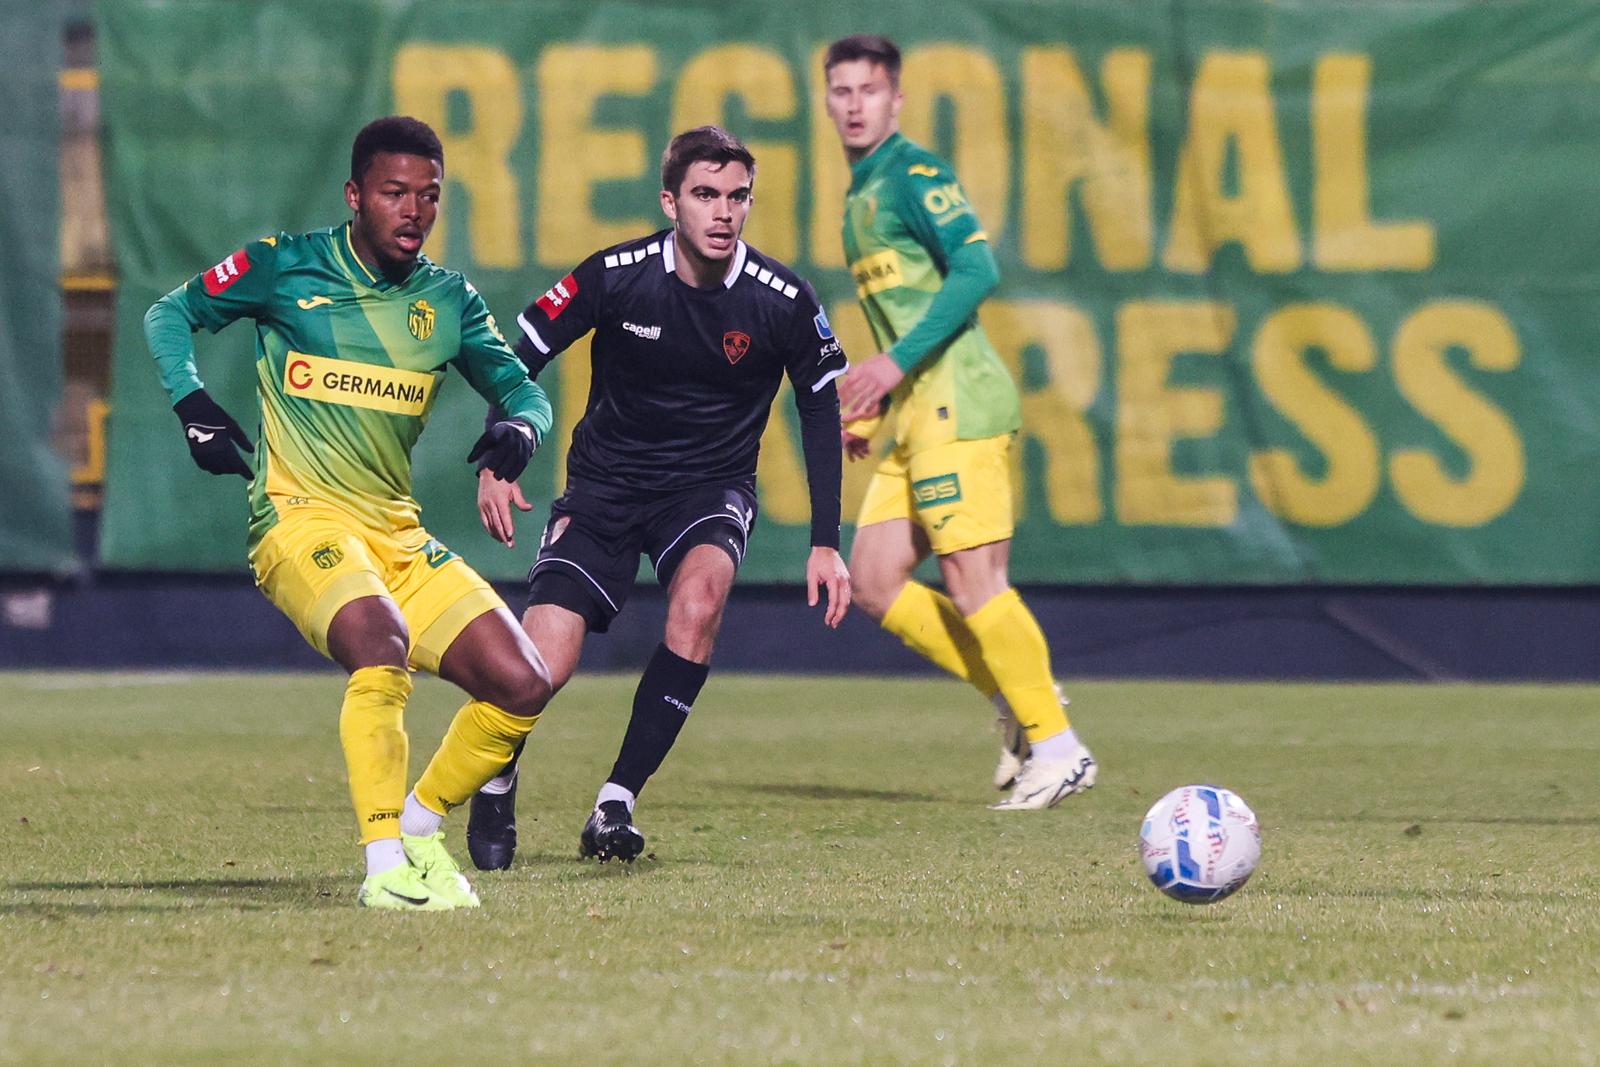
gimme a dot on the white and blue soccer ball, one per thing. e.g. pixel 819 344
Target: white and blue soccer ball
pixel 1200 843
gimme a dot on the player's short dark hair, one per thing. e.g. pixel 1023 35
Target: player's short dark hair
pixel 393 133
pixel 873 47
pixel 703 144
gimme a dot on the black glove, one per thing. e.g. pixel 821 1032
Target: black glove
pixel 504 448
pixel 211 435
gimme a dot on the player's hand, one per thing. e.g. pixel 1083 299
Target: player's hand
pixel 211 435
pixel 495 500
pixel 504 448
pixel 854 447
pixel 863 387
pixel 826 568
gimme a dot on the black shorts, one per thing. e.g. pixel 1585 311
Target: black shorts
pixel 589 554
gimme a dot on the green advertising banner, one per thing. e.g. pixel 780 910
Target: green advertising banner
pixel 1296 292
pixel 35 517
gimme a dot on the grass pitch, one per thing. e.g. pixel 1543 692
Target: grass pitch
pixel 824 884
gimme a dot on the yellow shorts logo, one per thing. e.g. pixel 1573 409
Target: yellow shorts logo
pixel 327 556
pixel 357 385
pixel 940 489
pixel 877 272
pixel 419 317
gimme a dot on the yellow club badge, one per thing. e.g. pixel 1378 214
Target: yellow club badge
pixel 419 316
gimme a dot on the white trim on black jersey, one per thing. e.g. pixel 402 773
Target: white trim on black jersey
pixel 532 334
pixel 826 378
pixel 669 259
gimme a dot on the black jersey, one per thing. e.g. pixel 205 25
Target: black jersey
pixel 683 378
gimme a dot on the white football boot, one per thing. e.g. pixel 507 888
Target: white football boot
pixel 1045 783
pixel 1013 745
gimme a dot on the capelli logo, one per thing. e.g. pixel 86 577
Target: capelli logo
pixel 649 333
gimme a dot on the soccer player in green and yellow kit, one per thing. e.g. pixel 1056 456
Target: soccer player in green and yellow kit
pixel 922 265
pixel 354 330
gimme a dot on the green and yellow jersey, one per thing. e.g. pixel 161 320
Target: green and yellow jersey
pixel 348 367
pixel 906 220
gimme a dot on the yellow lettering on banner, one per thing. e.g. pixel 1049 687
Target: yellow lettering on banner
pixel 1064 145
pixel 1349 448
pixel 575 156
pixel 830 173
pixel 576 370
pixel 1055 414
pixel 1151 415
pixel 760 78
pixel 480 157
pixel 1230 105
pixel 970 82
pixel 849 324
pixel 1496 469
pixel 1344 234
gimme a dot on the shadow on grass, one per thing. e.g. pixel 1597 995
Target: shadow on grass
pixel 1471 820
pixel 249 894
pixel 836 792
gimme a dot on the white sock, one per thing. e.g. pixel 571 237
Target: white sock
pixel 502 785
pixel 613 791
pixel 384 854
pixel 1057 747
pixel 416 820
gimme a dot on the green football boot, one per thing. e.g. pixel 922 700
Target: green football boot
pixel 439 870
pixel 402 889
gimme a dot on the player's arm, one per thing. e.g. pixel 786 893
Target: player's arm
pixel 489 365
pixel 936 212
pixel 815 361
pixel 238 287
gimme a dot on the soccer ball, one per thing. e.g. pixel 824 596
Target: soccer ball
pixel 1199 843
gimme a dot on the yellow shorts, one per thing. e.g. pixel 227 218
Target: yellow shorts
pixel 959 493
pixel 317 560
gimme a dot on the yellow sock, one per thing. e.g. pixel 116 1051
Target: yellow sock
pixel 375 749
pixel 479 742
pixel 931 626
pixel 1015 650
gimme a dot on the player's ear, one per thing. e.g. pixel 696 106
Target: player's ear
pixel 669 205
pixel 352 195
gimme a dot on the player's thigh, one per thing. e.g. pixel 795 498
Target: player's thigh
pixel 494 661
pixel 974 576
pixel 962 495
pixel 696 597
pixel 437 592
pixel 558 634
pixel 313 563
pixel 587 562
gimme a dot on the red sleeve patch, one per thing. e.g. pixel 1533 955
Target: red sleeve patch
pixel 227 272
pixel 557 297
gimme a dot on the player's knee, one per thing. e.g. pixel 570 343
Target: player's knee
pixel 873 590
pixel 520 686
pixel 695 617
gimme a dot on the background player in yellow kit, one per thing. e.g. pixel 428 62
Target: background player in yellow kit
pixel 354 330
pixel 922 265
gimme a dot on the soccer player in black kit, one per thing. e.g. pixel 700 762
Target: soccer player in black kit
pixel 693 333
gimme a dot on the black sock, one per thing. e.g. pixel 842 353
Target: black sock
pixel 660 706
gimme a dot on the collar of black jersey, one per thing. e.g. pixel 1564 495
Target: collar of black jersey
pixel 669 260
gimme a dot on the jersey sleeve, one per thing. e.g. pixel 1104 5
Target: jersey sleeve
pixel 238 287
pixel 934 207
pixel 815 357
pixel 561 314
pixel 491 368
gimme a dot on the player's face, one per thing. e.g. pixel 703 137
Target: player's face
pixel 710 207
pixel 863 103
pixel 395 207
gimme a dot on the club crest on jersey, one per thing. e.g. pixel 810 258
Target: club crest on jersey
pixel 227 272
pixel 557 297
pixel 735 343
pixel 419 317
